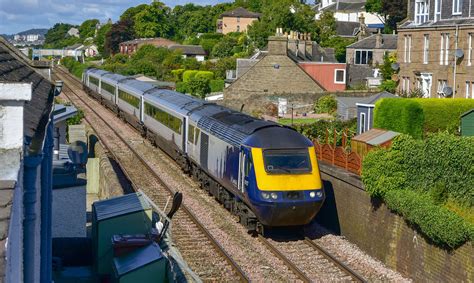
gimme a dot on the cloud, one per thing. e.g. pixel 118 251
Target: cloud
pixel 20 15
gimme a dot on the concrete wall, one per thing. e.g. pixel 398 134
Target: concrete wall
pixel 369 224
pixel 69 219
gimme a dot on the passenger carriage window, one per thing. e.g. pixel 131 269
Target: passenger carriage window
pixel 196 136
pixel 191 134
pixel 93 81
pixel 130 99
pixel 170 121
pixel 109 88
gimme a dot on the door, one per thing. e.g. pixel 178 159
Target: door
pixel 426 82
pixel 244 169
pixel 204 150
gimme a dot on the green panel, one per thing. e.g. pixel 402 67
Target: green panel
pixel 133 223
pixel 467 125
pixel 154 272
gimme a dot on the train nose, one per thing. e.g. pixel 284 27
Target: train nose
pixel 285 214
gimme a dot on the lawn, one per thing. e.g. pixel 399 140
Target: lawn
pixel 287 121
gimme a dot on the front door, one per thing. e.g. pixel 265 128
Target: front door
pixel 426 83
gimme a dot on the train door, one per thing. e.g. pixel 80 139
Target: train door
pixel 244 167
pixel 184 130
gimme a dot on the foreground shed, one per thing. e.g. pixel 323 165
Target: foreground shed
pixel 365 142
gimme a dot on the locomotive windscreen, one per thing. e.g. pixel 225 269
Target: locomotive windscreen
pixel 286 161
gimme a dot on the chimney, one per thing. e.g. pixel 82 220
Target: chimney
pixel 293 43
pixel 302 47
pixel 309 47
pixel 278 44
pixel 378 39
pixel 362 27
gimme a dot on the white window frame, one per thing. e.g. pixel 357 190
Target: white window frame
pixel 366 51
pixel 469 49
pixel 426 47
pixel 468 84
pixel 407 50
pixel 441 85
pixel 343 76
pixel 422 11
pixel 457 7
pixel 437 13
pixel 444 49
pixel 362 119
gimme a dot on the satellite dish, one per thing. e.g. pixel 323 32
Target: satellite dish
pixel 447 91
pixel 77 152
pixel 395 66
pixel 459 53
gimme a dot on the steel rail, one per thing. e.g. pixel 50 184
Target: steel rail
pixel 191 215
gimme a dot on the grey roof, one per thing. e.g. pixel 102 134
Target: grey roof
pixel 176 101
pixel 389 41
pixel 14 67
pixel 243 65
pixel 467 112
pixel 189 49
pixel 440 23
pixel 350 101
pixel 389 135
pixel 63 112
pixel 347 29
pixel 240 12
pixel 118 206
pixel 346 5
pixel 136 259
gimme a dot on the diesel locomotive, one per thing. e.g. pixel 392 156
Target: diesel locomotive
pixel 265 173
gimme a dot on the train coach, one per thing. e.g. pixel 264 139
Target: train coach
pixel 265 173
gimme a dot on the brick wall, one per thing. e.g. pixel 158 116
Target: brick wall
pixel 229 24
pixel 384 235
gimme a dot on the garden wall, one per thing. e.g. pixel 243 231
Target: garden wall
pixel 369 224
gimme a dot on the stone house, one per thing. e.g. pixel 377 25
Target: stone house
pixel 236 20
pixel 275 76
pixel 131 46
pixel 348 11
pixel 435 48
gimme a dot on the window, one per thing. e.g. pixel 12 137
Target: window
pixel 444 49
pixel 339 76
pixel 130 99
pixel 469 49
pixel 362 123
pixel 422 11
pixel 363 57
pixel 437 12
pixel 238 19
pixel 287 161
pixel 405 84
pixel 168 120
pixel 457 7
pixel 108 88
pixel 426 47
pixel 407 50
pixel 191 134
pixel 441 85
pixel 468 93
pixel 93 81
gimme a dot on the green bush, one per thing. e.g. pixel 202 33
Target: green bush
pixel 419 116
pixel 178 74
pixel 439 224
pixel 205 75
pixel 389 85
pixel 189 75
pixel 199 87
pixel 399 115
pixel 326 104
pixel 217 85
pixel 317 130
pixel 182 87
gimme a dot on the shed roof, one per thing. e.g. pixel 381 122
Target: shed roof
pixel 240 12
pixel 189 49
pixel 389 41
pixel 467 113
pixel 351 101
pixel 63 112
pixel 138 258
pixel 121 205
pixel 375 136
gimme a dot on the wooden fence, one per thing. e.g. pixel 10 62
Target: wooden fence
pixel 338 155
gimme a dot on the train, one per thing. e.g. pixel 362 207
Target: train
pixel 265 173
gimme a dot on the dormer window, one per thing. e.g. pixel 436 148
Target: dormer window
pixel 457 7
pixel 422 11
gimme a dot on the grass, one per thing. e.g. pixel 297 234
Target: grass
pixel 465 212
pixel 287 121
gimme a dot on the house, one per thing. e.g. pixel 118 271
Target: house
pixel 131 46
pixel 73 32
pixel 347 105
pixel 331 75
pixel 29 37
pixel 348 11
pixel 435 48
pixel 276 75
pixel 366 54
pixel 190 51
pixel 467 123
pixel 26 153
pixel 236 20
pixel 90 50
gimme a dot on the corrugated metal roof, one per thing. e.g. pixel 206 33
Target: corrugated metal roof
pixel 137 259
pixel 118 206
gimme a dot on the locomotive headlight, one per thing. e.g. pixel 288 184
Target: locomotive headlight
pixel 265 195
pixel 312 194
pixel 274 195
pixel 319 193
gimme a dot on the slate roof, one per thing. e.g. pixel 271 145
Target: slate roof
pixel 189 49
pixel 352 6
pixel 14 67
pixel 351 101
pixel 440 23
pixel 240 12
pixel 347 29
pixel 389 41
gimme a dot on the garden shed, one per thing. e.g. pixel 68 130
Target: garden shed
pixel 467 123
pixel 363 143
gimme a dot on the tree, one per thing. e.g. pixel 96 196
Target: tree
pixel 392 11
pixel 325 27
pixel 99 40
pixel 326 104
pixel 57 36
pixel 224 48
pixel 119 32
pixel 130 13
pixel 152 21
pixel 339 44
pixel 87 28
pixel 199 87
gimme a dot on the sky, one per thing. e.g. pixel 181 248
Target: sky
pixel 20 15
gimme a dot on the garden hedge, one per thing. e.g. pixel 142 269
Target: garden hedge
pixel 419 116
pixel 182 87
pixel 207 75
pixel 217 85
pixel 189 75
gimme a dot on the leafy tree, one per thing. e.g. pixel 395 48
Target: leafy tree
pixel 119 32
pixel 99 40
pixel 326 104
pixel 87 28
pixel 57 36
pixel 392 11
pixel 130 13
pixel 339 44
pixel 152 21
pixel 224 48
pixel 325 27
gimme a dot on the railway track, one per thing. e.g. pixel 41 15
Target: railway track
pixel 203 254
pixel 310 261
pixel 305 260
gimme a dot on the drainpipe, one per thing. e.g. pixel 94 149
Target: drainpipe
pixel 46 205
pixel 30 177
pixel 455 60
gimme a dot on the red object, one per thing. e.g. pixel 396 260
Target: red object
pixel 325 74
pixel 123 244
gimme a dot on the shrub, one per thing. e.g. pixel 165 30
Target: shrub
pixel 182 87
pixel 199 87
pixel 188 75
pixel 317 130
pixel 217 85
pixel 178 75
pixel 389 85
pixel 205 75
pixel 326 104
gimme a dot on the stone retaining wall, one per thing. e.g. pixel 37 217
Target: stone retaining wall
pixel 369 224
pixel 111 180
